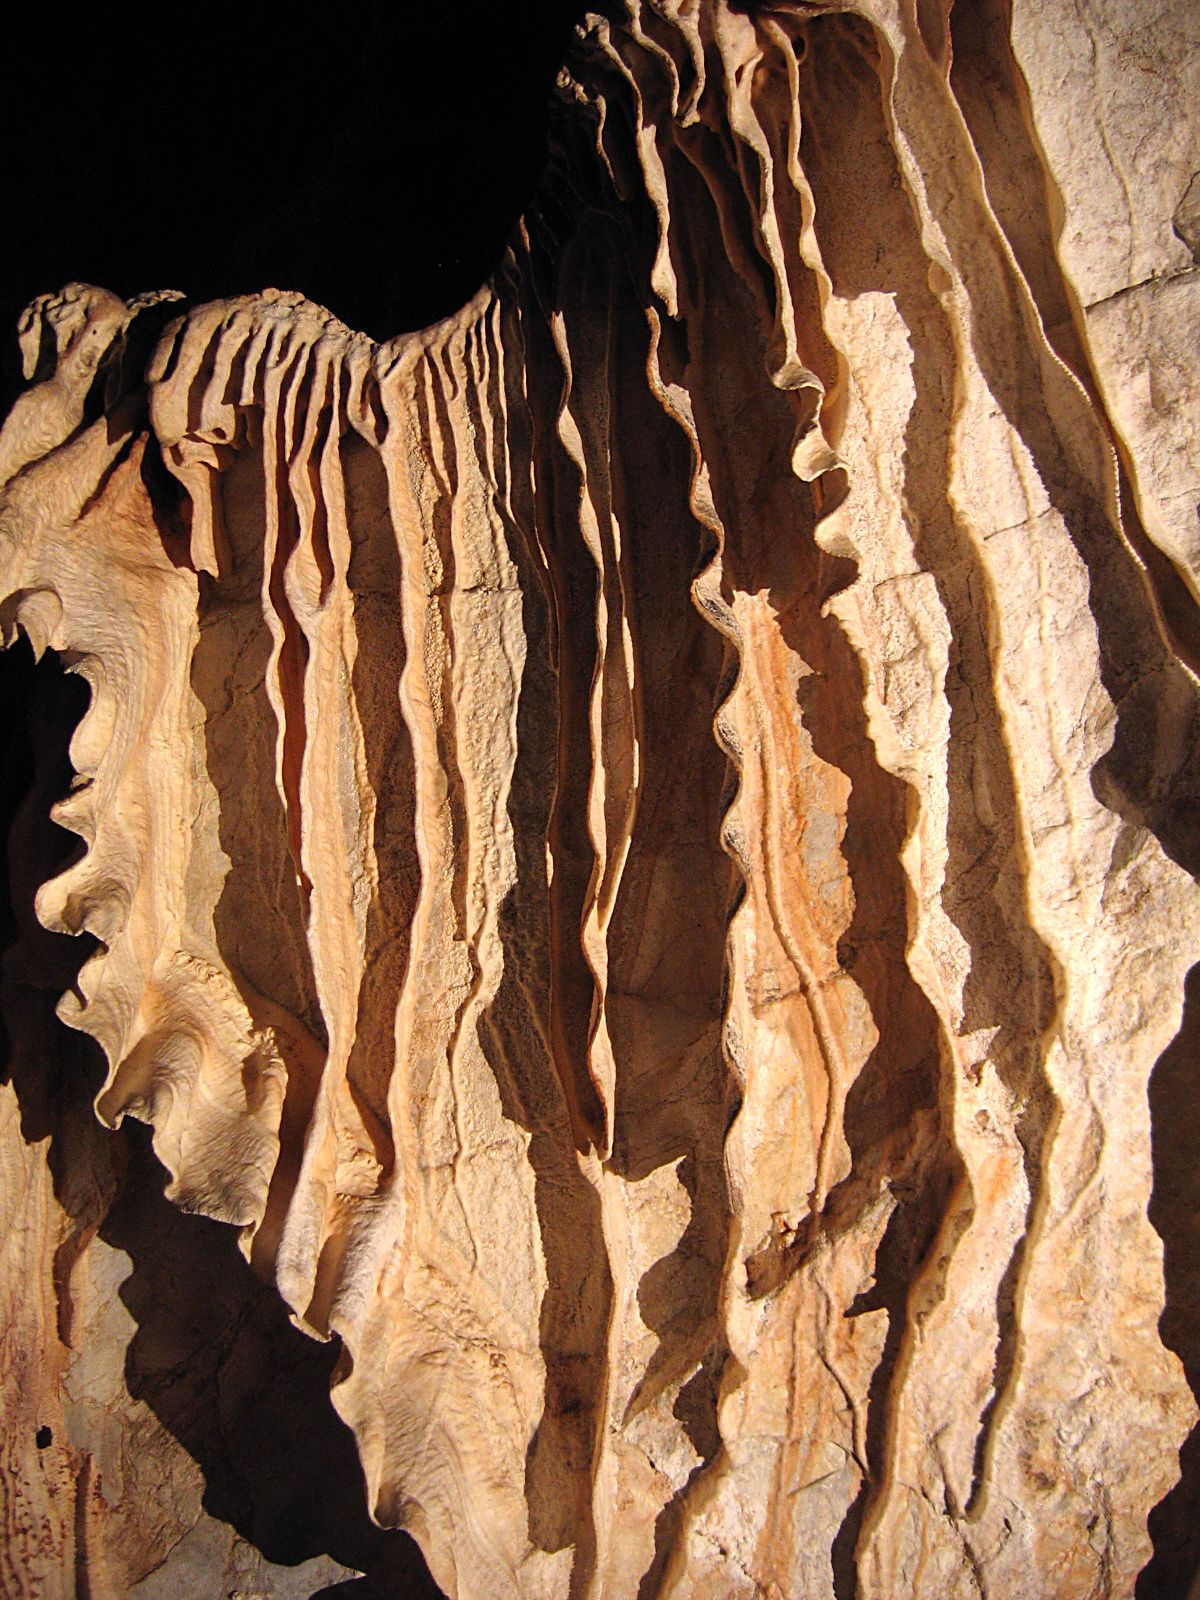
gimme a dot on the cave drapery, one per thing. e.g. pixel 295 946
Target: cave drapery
pixel 640 841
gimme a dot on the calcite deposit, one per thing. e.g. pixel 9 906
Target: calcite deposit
pixel 640 841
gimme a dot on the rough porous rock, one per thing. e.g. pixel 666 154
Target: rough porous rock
pixel 641 840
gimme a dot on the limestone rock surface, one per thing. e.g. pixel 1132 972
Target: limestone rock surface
pixel 641 842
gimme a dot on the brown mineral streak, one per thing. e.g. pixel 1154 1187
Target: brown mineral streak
pixel 631 832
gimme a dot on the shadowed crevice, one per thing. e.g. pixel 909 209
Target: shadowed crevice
pixel 246 1394
pixel 1175 1213
pixel 374 580
pixel 518 1038
pixel 245 827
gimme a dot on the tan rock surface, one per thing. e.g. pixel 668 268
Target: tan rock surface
pixel 642 838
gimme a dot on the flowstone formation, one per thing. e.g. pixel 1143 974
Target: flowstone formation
pixel 642 839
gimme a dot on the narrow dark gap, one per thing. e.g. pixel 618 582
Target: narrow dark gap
pixel 40 706
pixel 1175 1212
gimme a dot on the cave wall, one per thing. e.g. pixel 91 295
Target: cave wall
pixel 639 852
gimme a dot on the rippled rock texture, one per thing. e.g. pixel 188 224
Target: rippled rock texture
pixel 639 845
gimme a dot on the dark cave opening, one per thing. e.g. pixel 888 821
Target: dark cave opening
pixel 377 163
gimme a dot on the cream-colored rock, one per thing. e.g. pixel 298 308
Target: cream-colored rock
pixel 635 833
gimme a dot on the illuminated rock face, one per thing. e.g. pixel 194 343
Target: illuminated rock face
pixel 640 837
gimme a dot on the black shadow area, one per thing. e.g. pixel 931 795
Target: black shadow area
pixel 373 156
pixel 1175 1213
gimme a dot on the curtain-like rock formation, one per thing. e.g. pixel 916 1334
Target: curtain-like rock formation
pixel 641 839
